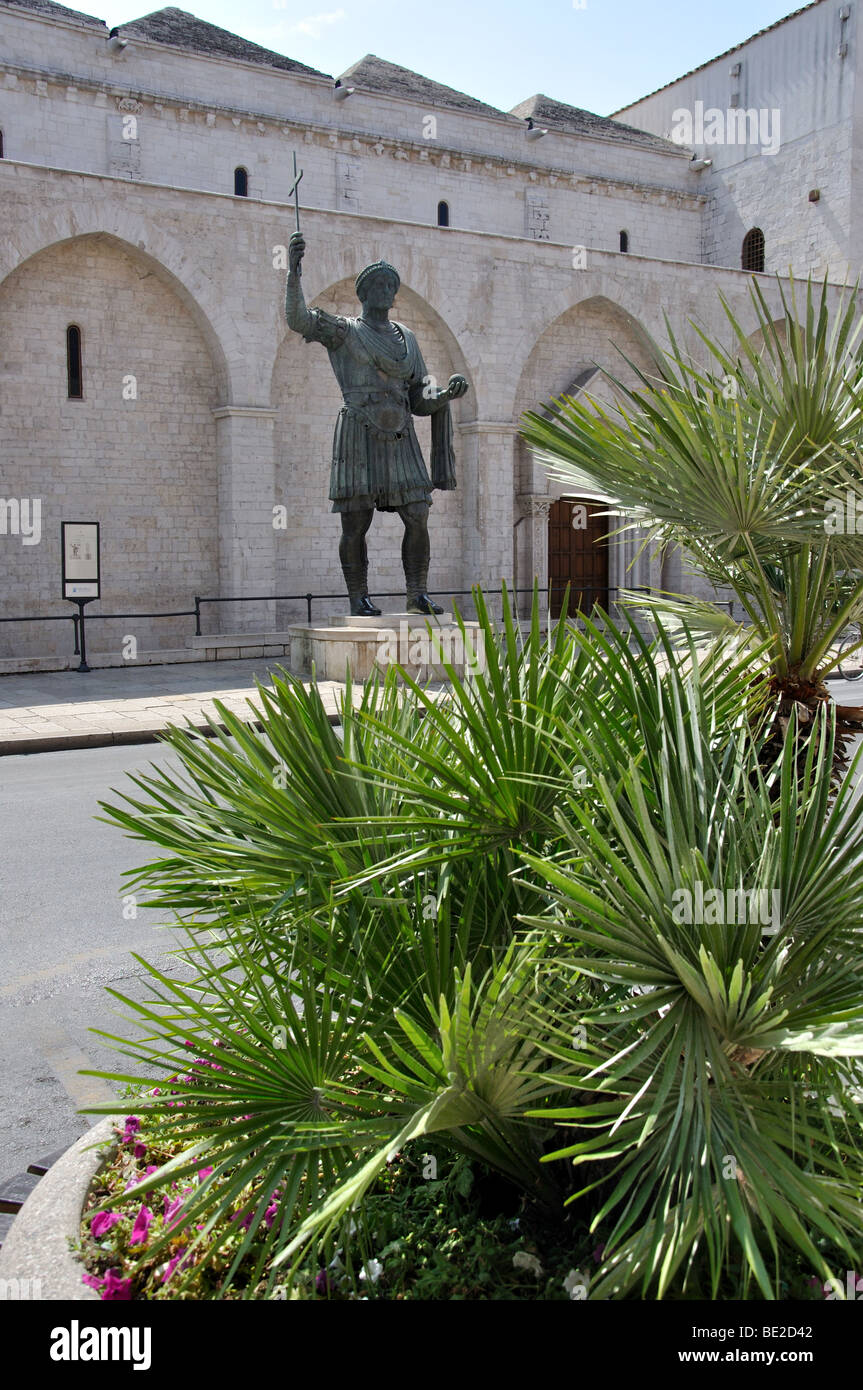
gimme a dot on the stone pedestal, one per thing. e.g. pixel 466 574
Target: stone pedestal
pixel 420 645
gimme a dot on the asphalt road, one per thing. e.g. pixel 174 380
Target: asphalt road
pixel 63 938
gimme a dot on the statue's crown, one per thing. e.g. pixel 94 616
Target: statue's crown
pixel 375 269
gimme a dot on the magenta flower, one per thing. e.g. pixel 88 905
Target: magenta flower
pixel 270 1214
pixel 172 1210
pixel 140 1150
pixel 116 1290
pixel 136 1182
pixel 113 1288
pixel 204 1173
pixel 141 1227
pixel 173 1264
pixel 102 1223
pixel 133 1124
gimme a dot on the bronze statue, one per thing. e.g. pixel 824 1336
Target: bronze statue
pixel 377 463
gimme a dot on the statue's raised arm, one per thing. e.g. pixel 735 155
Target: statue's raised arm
pixel 315 325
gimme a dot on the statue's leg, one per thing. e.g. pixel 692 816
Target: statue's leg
pixel 354 556
pixel 415 557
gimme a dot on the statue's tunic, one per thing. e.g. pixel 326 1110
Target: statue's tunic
pixel 377 460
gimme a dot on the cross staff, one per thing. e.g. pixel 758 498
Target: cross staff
pixel 295 190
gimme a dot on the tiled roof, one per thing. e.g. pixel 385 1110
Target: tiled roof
pixel 377 75
pixel 184 30
pixel 52 11
pixel 558 115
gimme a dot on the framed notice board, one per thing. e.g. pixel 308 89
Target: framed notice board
pixel 79 544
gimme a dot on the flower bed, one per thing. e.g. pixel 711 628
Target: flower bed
pixel 462 1234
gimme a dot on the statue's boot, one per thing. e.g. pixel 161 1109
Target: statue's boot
pixel 418 601
pixel 362 606
pixel 356 579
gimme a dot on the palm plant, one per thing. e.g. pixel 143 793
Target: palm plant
pixel 746 465
pixel 454 925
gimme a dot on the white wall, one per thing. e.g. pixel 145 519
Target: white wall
pixel 795 69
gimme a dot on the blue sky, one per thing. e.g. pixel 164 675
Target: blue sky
pixel 599 57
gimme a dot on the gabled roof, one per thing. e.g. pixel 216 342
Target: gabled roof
pixel 377 75
pixel 184 30
pixel 735 49
pixel 558 115
pixel 52 11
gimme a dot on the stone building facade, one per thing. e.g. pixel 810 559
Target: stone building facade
pixel 145 199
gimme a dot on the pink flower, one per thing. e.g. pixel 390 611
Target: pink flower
pixel 102 1223
pixel 116 1290
pixel 139 1150
pixel 204 1173
pixel 270 1214
pixel 173 1264
pixel 141 1227
pixel 172 1210
pixel 135 1182
pixel 133 1124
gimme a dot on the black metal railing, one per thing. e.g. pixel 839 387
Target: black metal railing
pixel 596 595
pixel 581 601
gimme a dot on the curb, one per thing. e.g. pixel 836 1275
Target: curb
pixel 59 742
pixel 36 1252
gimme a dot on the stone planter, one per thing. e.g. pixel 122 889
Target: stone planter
pixel 36 1262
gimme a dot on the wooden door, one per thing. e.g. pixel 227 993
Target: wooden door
pixel 577 555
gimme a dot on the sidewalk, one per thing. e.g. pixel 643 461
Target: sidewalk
pixel 45 711
pixel 62 709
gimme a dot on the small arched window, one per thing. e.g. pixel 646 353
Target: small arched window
pixel 241 182
pixel 74 373
pixel 624 241
pixel 443 214
pixel 752 254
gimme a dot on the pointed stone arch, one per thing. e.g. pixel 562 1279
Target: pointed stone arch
pixel 594 333
pixel 156 252
pixel 135 449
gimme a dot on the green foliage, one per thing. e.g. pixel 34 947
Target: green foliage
pixel 738 463
pixel 454 925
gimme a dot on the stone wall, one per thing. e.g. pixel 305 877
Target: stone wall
pixel 806 69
